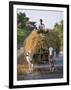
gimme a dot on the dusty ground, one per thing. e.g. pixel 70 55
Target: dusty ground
pixel 40 71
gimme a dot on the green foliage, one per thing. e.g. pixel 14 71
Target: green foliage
pixel 22 20
pixel 59 29
pixel 21 35
pixel 24 27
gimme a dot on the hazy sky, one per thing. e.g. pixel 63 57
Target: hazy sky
pixel 49 17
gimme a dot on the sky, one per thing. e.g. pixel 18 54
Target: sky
pixel 49 17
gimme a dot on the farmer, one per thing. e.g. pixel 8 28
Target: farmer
pixel 50 57
pixel 41 25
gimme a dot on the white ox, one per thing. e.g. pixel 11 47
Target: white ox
pixel 51 56
pixel 29 57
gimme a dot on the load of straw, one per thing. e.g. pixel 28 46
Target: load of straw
pixel 41 41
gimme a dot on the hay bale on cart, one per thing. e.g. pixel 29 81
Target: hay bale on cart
pixel 39 42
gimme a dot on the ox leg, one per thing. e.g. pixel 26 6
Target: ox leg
pixel 30 67
pixel 51 64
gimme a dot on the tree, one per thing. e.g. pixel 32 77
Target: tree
pixel 24 27
pixel 58 27
pixel 22 20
